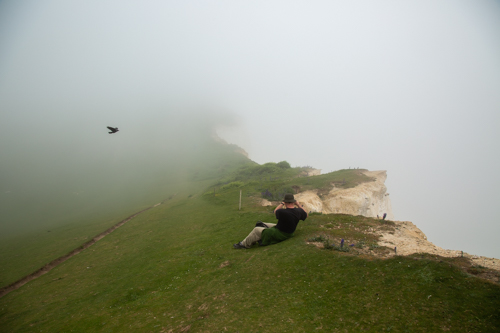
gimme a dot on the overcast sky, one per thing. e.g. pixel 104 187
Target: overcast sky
pixel 411 87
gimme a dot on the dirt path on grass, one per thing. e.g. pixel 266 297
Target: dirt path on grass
pixel 48 267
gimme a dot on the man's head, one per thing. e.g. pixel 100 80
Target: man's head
pixel 289 198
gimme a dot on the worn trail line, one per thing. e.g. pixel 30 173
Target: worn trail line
pixel 45 269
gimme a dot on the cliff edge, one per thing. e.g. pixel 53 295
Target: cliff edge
pixel 407 238
pixel 367 199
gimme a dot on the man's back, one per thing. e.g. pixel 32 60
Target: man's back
pixel 288 219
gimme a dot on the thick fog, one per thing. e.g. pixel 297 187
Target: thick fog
pixel 411 87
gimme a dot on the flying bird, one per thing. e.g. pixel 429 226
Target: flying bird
pixel 113 129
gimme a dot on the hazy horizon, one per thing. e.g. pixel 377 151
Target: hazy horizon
pixel 409 87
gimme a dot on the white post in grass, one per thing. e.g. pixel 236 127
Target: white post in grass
pixel 240 201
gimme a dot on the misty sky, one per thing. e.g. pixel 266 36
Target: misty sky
pixel 411 87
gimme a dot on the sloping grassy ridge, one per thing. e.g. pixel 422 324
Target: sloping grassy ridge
pixel 74 220
pixel 173 269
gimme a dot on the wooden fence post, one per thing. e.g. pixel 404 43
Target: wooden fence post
pixel 240 200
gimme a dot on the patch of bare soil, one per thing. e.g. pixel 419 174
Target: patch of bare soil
pixel 224 264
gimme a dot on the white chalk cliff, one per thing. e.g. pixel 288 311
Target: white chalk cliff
pixel 368 199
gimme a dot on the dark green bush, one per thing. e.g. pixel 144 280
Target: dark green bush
pixel 283 165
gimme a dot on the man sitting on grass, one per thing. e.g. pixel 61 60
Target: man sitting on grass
pixel 269 233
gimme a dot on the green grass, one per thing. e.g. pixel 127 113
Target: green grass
pixel 173 269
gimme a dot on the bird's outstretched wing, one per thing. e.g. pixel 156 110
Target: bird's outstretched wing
pixel 112 129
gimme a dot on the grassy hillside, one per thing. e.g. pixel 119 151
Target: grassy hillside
pixel 173 269
pixel 47 222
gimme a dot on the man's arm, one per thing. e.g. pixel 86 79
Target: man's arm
pixel 281 205
pixel 301 207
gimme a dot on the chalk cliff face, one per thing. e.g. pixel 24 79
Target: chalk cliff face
pixel 368 199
